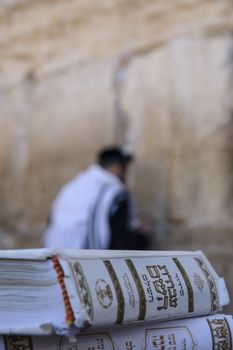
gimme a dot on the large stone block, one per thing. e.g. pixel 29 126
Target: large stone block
pixel 178 103
pixel 42 36
pixel 13 151
pixel 71 118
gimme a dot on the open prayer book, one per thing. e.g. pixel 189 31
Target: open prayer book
pixel 65 292
pixel 199 333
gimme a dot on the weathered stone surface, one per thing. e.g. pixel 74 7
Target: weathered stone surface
pixel 71 116
pixel 178 103
pixel 56 130
pixel 13 154
pixel 41 36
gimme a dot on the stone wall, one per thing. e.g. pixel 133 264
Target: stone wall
pixel 178 102
pixel 153 75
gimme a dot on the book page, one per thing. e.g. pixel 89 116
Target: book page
pixel 30 298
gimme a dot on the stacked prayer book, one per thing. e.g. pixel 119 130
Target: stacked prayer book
pixel 111 300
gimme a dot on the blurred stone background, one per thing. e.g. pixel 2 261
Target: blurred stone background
pixel 154 75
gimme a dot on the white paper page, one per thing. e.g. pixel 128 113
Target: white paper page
pixel 30 297
pixel 27 254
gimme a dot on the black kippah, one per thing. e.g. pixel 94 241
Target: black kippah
pixel 112 155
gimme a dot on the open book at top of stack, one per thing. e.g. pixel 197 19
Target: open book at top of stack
pixel 63 292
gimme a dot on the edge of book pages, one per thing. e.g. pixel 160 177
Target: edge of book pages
pixel 200 333
pixel 105 288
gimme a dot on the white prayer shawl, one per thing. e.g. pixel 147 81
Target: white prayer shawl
pixel 80 213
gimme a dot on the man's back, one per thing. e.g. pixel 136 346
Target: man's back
pixel 74 210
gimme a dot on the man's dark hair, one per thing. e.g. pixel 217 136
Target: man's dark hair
pixel 113 155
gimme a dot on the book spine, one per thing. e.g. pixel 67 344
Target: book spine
pixel 125 290
pixel 66 300
pixel 203 333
